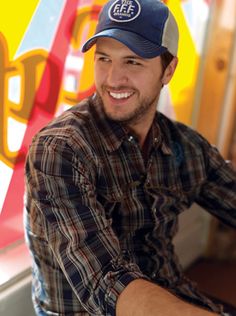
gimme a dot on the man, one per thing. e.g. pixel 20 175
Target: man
pixel 107 179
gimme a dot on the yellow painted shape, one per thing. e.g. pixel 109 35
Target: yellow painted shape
pixel 182 86
pixel 86 81
pixel 15 17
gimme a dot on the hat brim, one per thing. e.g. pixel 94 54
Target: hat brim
pixel 139 45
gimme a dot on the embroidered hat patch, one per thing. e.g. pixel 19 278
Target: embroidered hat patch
pixel 124 10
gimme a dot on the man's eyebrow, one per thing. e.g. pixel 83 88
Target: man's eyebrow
pixel 125 57
pixel 101 53
pixel 133 57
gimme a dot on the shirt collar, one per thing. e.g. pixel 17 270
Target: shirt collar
pixel 159 136
pixel 115 133
pixel 162 134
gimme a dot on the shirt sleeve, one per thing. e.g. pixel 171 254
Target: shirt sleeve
pixel 62 185
pixel 218 192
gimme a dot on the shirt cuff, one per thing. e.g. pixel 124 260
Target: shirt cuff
pixel 117 287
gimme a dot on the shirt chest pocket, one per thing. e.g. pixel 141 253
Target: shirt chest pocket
pixel 127 207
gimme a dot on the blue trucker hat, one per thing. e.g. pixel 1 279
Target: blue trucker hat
pixel 147 27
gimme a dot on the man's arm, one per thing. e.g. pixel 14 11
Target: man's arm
pixel 61 184
pixel 141 297
pixel 218 192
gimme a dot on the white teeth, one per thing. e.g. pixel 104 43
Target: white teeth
pixel 124 95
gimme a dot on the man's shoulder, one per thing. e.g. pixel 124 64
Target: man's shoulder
pixel 173 126
pixel 76 120
pixel 182 133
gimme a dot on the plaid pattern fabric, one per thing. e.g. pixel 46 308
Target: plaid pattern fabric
pixel 99 213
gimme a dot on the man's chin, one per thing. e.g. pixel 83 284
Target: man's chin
pixel 113 117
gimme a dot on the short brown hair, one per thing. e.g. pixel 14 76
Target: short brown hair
pixel 166 58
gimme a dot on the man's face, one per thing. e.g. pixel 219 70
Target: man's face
pixel 128 85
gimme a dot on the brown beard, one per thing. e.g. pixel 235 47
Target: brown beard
pixel 134 117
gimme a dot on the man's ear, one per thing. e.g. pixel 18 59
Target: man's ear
pixel 169 71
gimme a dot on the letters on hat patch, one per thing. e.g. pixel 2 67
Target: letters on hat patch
pixel 124 10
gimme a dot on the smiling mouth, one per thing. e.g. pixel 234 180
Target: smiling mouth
pixel 120 95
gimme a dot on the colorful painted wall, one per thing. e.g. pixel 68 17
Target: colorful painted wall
pixel 43 72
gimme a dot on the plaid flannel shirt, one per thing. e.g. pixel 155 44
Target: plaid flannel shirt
pixel 99 215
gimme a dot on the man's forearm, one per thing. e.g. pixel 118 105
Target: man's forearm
pixel 141 297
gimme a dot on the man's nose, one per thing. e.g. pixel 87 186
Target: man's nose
pixel 117 75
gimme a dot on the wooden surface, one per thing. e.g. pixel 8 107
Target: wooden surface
pixel 216 278
pixel 216 71
pixel 217 100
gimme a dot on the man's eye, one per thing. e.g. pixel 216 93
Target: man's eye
pixel 133 62
pixel 104 59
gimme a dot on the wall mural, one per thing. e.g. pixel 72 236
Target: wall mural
pixel 43 72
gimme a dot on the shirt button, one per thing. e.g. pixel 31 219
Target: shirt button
pixel 125 255
pixel 131 139
pixel 154 275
